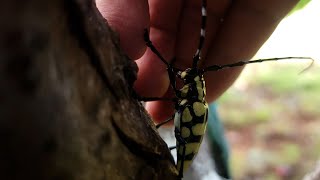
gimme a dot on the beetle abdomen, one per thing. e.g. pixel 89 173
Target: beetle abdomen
pixel 190 122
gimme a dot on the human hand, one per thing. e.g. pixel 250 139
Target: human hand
pixel 175 30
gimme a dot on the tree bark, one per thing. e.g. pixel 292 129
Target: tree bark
pixel 66 105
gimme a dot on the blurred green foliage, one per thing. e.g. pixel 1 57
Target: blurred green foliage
pixel 299 6
pixel 274 109
pixel 281 82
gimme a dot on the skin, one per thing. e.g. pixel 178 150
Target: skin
pixel 175 30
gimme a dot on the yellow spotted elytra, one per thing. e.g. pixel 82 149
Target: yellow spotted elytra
pixel 191 108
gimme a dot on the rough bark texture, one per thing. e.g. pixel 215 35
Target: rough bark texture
pixel 66 110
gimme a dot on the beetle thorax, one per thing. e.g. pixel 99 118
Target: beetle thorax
pixel 194 85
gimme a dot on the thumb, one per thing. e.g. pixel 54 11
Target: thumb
pixel 129 19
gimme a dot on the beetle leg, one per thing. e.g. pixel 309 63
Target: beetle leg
pixel 181 142
pixel 164 122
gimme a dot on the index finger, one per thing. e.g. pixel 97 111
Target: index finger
pixel 153 77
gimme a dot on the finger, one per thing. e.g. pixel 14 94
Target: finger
pixel 187 41
pixel 188 37
pixel 128 18
pixel 189 29
pixel 152 76
pixel 246 27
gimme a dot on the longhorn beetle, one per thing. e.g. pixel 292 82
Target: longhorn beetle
pixel 191 109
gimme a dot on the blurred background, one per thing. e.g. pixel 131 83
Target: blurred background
pixel 271 115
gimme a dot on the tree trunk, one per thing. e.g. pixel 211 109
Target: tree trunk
pixel 66 105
